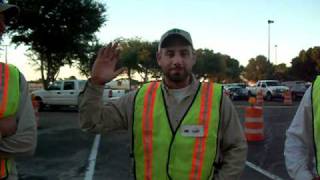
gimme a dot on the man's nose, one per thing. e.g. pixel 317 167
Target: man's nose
pixel 177 59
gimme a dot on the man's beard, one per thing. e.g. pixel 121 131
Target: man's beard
pixel 177 76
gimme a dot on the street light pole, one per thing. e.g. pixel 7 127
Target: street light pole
pixel 275 53
pixel 269 22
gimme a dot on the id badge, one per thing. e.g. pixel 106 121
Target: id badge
pixel 192 130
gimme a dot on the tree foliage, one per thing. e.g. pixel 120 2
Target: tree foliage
pixel 281 72
pixel 57 32
pixel 216 66
pixel 258 68
pixel 147 63
pixel 139 56
pixel 87 59
pixel 306 66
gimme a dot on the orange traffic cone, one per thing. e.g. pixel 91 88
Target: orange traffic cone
pixel 253 124
pixel 35 105
pixel 259 98
pixel 287 98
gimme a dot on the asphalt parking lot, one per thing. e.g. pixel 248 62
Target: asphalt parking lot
pixel 63 149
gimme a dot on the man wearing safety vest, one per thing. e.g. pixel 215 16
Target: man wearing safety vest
pixel 18 132
pixel 302 145
pixel 181 128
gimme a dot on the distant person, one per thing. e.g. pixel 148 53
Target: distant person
pixel 302 145
pixel 18 132
pixel 181 128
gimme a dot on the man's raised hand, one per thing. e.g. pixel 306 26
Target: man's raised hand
pixel 104 68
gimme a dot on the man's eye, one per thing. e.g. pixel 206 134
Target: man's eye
pixel 170 54
pixel 184 53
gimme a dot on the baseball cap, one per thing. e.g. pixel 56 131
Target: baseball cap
pixel 176 32
pixel 9 10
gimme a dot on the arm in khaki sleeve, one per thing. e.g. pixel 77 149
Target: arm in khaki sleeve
pixel 233 150
pixel 298 145
pixel 96 117
pixel 24 141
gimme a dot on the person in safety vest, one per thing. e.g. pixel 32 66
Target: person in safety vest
pixel 18 132
pixel 181 128
pixel 302 145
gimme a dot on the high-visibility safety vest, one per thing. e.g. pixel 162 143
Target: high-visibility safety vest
pixel 161 153
pixel 9 102
pixel 315 97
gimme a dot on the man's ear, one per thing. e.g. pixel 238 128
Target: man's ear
pixel 158 56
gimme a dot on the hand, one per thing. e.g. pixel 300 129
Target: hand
pixel 104 68
pixel 8 126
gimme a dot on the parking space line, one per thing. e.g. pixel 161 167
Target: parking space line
pixel 262 171
pixel 92 158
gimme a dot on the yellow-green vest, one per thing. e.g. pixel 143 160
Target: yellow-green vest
pixel 9 101
pixel 187 153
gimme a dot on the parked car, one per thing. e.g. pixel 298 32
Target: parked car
pixel 297 88
pixel 66 93
pixel 270 89
pixel 243 86
pixel 235 92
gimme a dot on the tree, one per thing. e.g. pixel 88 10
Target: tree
pixel 139 56
pixel 87 59
pixel 281 72
pixel 56 32
pixel 258 68
pixel 232 73
pixel 129 56
pixel 208 64
pixel 216 66
pixel 147 60
pixel 306 65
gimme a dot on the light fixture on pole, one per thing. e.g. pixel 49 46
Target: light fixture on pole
pixel 269 22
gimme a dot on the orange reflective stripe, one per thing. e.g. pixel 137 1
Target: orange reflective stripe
pixel 3 169
pixel 208 111
pixel 195 162
pixel 5 90
pixel 147 125
pixel 204 119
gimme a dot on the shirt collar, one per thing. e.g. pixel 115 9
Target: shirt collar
pixel 192 87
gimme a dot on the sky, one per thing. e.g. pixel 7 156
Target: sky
pixel 237 28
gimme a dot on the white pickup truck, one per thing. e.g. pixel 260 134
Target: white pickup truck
pixel 270 89
pixel 66 93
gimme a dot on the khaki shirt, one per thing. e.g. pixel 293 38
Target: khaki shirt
pixel 24 141
pixel 118 115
